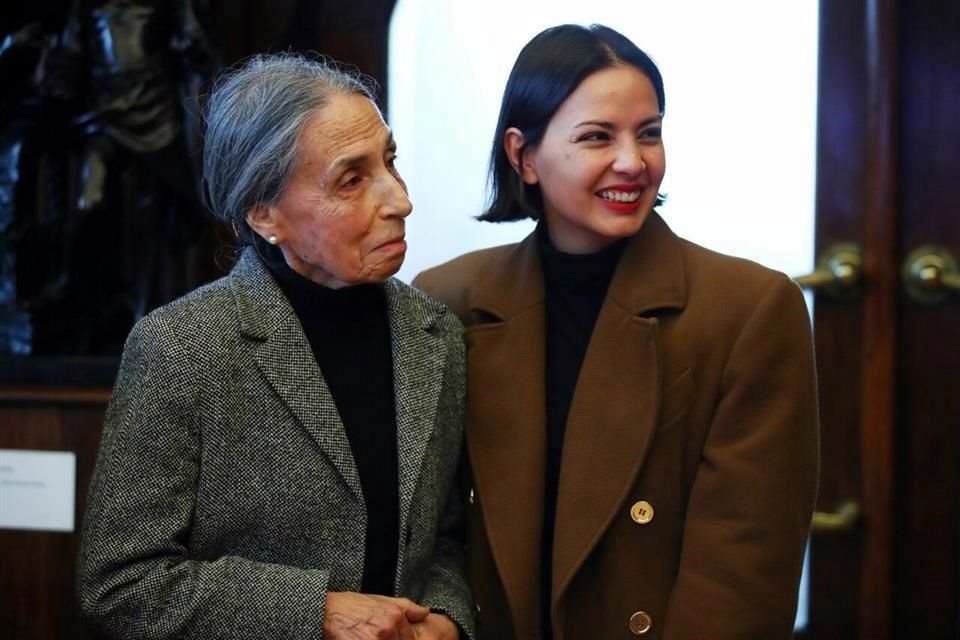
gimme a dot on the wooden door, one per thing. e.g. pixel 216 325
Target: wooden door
pixel 884 552
pixel 926 510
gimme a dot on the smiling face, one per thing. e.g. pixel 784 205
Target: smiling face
pixel 340 219
pixel 601 160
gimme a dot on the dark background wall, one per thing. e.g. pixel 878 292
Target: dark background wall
pixel 63 270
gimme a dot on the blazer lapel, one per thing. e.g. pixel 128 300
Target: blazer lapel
pixel 284 356
pixel 616 405
pixel 418 365
pixel 506 434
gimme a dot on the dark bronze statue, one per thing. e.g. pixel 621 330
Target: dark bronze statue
pixel 99 249
pixel 32 181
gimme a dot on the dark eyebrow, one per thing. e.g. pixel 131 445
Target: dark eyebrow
pixel 603 124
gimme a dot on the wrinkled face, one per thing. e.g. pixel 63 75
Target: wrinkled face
pixel 601 161
pixel 340 220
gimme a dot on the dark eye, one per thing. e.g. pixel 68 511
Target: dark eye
pixel 652 132
pixel 594 136
pixel 350 181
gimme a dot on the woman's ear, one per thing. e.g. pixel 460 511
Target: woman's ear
pixel 519 156
pixel 262 220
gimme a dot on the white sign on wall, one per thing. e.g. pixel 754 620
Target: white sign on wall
pixel 37 489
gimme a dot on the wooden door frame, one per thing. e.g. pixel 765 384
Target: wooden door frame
pixel 851 573
pixel 878 391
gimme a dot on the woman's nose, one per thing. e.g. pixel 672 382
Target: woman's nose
pixel 629 159
pixel 395 201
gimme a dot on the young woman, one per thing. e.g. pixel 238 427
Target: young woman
pixel 642 413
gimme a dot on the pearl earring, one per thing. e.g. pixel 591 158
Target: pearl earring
pixel 273 240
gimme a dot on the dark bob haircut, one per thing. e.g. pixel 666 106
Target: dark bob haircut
pixel 549 68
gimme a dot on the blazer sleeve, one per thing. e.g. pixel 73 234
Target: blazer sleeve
pixel 749 511
pixel 446 589
pixel 135 576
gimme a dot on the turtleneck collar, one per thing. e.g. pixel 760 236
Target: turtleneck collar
pixel 575 271
pixel 316 304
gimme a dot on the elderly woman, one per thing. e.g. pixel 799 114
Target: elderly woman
pixel 279 455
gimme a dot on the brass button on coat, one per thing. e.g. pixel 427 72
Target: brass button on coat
pixel 640 623
pixel 641 512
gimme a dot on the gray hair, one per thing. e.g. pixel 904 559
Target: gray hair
pixel 254 117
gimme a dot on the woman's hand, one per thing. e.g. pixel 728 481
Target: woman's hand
pixel 436 626
pixel 361 616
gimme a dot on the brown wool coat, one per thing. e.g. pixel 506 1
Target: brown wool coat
pixel 697 395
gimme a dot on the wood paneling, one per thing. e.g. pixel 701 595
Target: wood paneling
pixel 37 567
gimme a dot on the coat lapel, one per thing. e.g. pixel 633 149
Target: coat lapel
pixel 267 317
pixel 418 367
pixel 618 391
pixel 616 405
pixel 506 436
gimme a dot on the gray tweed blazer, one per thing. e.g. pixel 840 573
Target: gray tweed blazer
pixel 225 501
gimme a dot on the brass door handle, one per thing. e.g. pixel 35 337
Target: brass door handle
pixel 838 271
pixel 930 274
pixel 844 518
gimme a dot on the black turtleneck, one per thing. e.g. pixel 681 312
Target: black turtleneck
pixel 575 287
pixel 349 332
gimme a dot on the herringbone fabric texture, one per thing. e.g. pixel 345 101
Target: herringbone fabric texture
pixel 225 501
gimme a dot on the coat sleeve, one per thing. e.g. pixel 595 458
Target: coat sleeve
pixel 446 589
pixel 135 576
pixel 749 511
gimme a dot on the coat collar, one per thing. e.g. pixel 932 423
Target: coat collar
pixel 516 283
pixel 285 358
pixel 507 440
pixel 262 308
